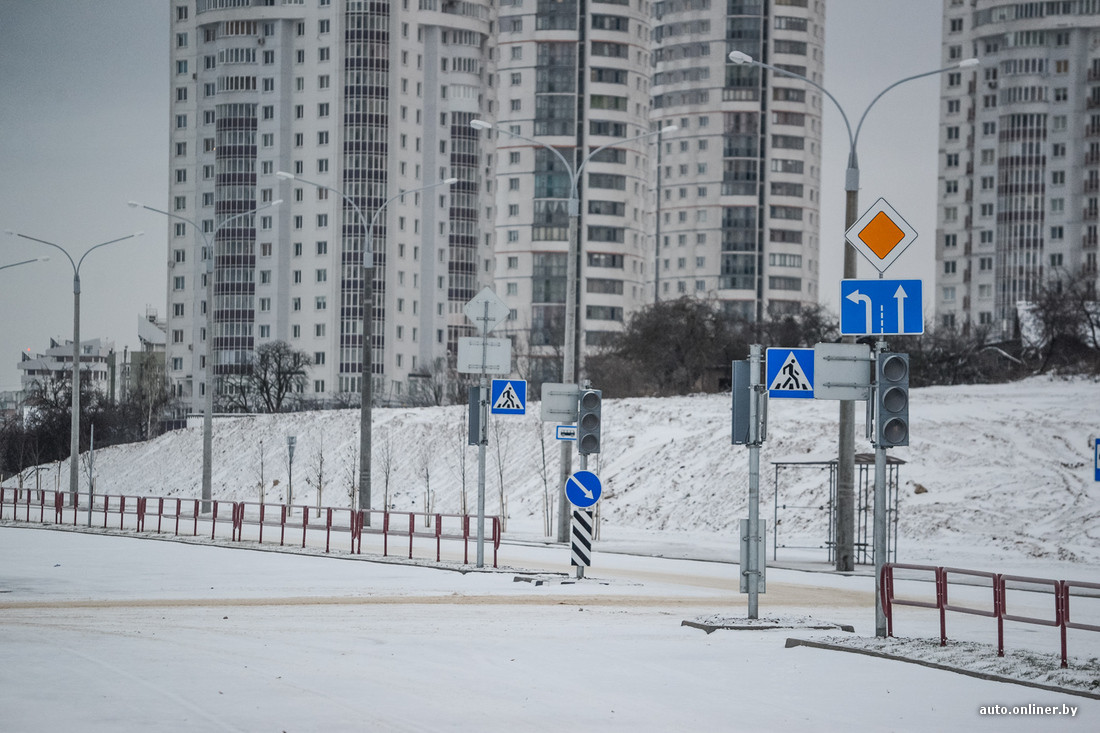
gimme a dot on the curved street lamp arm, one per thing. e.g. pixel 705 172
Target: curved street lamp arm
pixel 348 199
pixel 390 200
pixel 24 262
pixel 605 146
pixel 43 241
pixel 897 83
pixel 104 244
pixel 823 90
pixel 572 175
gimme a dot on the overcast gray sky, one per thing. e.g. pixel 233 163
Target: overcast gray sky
pixel 84 96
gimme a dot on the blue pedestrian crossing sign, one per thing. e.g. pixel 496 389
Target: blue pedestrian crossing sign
pixel 583 489
pixel 891 307
pixel 790 373
pixel 508 397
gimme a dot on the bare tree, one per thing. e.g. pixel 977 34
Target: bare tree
pixel 427 452
pixel 317 479
pixel 500 451
pixel 351 477
pixel 386 460
pixel 544 471
pixel 460 438
pixel 149 393
pixel 278 370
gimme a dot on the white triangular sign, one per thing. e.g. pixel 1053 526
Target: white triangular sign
pixel 790 377
pixel 508 399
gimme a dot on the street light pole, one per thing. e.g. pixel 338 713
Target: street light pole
pixel 208 367
pixel 845 497
pixel 571 358
pixel 74 433
pixel 366 386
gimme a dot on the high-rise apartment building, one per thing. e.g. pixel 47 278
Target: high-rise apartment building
pixel 372 98
pixel 1019 159
pixel 369 99
pixel 737 218
pixel 724 208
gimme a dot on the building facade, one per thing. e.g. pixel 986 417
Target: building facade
pixel 365 98
pixel 1020 158
pixel 723 208
pixel 374 98
pixel 53 368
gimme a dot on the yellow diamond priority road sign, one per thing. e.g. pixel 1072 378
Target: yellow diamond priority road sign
pixel 881 235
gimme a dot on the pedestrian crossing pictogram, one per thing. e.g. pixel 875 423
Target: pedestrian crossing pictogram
pixel 509 397
pixel 790 373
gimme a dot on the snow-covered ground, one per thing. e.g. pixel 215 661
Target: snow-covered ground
pixel 110 633
pixel 998 477
pixel 103 633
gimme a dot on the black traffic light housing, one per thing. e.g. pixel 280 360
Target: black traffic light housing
pixel 588 421
pixel 892 399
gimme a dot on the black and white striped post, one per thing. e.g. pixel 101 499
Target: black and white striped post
pixel 583 490
pixel 581 544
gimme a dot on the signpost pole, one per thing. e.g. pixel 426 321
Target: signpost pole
pixel 879 538
pixel 753 571
pixel 483 441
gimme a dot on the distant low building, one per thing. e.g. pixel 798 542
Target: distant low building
pixel 96 362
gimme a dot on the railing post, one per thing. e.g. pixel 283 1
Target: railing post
pixel 282 526
pixel 496 539
pixel 195 531
pixel 999 605
pixel 941 602
pixel 214 519
pixel 412 528
pixel 328 527
pixel 305 522
pixel 465 539
pixel 886 584
pixel 263 507
pixel 160 512
pixel 1063 617
pixel 385 534
pixel 58 508
pixel 438 534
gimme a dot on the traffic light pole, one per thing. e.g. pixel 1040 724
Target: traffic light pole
pixel 754 482
pixel 879 537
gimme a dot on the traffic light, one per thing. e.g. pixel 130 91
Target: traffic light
pixel 892 397
pixel 588 421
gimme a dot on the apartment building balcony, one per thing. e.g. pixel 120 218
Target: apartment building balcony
pixel 1091 214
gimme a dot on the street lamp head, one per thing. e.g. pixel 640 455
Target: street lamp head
pixel 135 204
pixel 276 202
pixel 967 63
pixel 10 233
pixel 284 175
pixel 481 125
pixel 138 233
pixel 740 57
pixel 670 128
pixel 450 181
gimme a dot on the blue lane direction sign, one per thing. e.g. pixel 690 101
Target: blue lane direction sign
pixel 790 373
pixel 892 307
pixel 565 432
pixel 583 489
pixel 1096 458
pixel 508 397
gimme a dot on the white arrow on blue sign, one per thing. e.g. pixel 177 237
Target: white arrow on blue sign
pixel 1096 458
pixel 891 307
pixel 790 373
pixel 583 489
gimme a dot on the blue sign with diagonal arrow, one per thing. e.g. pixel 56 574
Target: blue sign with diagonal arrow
pixel 890 307
pixel 583 489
